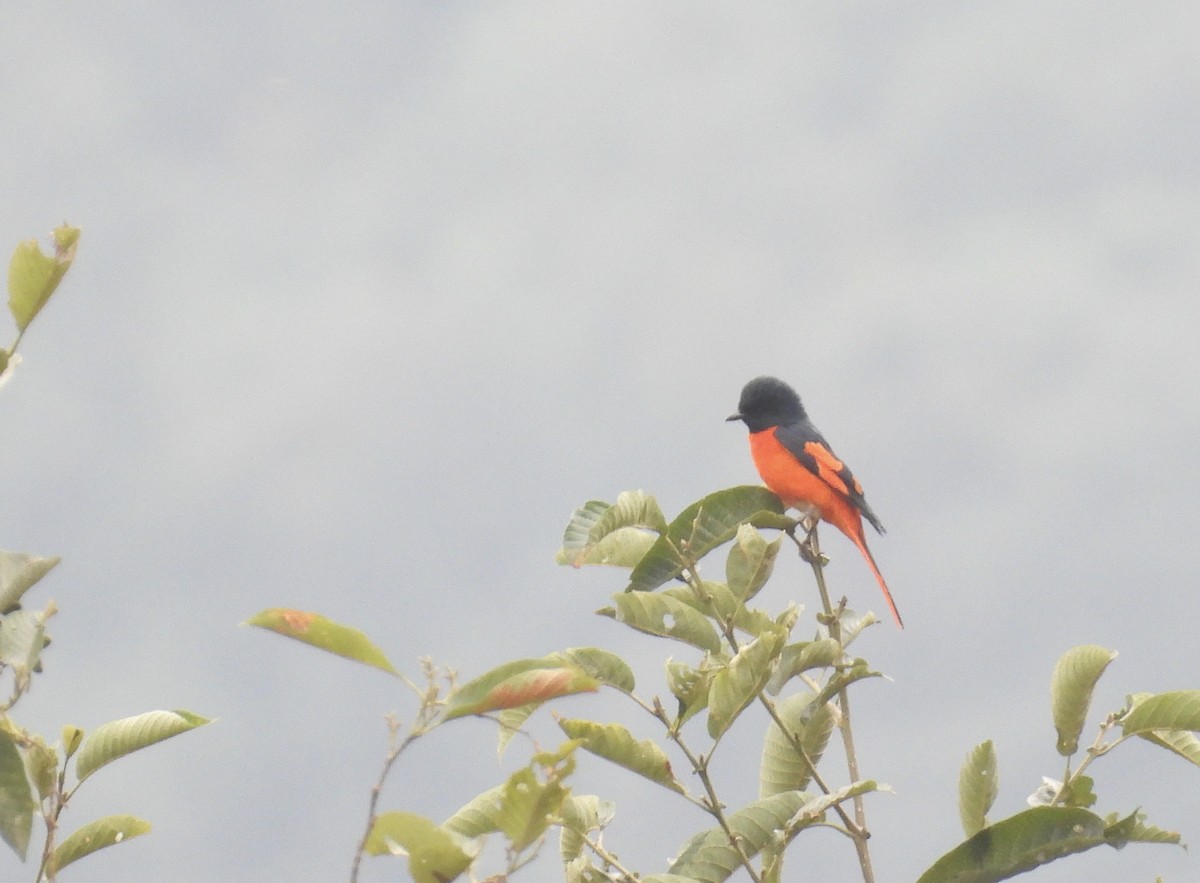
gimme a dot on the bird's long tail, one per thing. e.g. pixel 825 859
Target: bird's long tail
pixel 861 542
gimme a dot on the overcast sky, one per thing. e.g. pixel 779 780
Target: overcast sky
pixel 371 295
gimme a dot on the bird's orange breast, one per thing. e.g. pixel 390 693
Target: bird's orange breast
pixel 796 485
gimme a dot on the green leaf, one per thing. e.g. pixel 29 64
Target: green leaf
pixel 1018 844
pixel 518 683
pixel 851 624
pixel 1078 792
pixel 479 817
pixel 1181 742
pixel 72 738
pixel 708 856
pixel 666 617
pixel 1133 829
pixel 41 765
pixel 581 815
pixel 739 683
pixel 115 739
pixel 857 671
pixel 615 743
pixel 783 768
pixel 713 600
pixel 16 799
pixel 33 276
pixel 802 657
pixel 702 527
pixel 108 831
pixel 578 532
pixel 18 574
pixel 814 808
pixel 1075 677
pixel 618 535
pixel 606 667
pixel 754 622
pixel 750 562
pixel 690 686
pixel 1177 710
pixel 978 785
pixel 527 806
pixel 621 548
pixel 322 633
pixel 632 509
pixel 22 638
pixel 435 855
pixel 511 720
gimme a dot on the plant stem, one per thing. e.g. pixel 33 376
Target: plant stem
pixel 1098 749
pixel 627 876
pixel 811 550
pixel 58 802
pixel 798 747
pixel 395 747
pixel 713 805
pixel 425 721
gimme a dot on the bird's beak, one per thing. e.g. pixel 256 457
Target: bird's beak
pixel 733 417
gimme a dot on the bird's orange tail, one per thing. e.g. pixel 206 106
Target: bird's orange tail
pixel 861 542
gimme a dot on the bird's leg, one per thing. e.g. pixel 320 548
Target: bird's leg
pixel 809 521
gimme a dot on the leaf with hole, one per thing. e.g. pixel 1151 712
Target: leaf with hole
pixel 978 785
pixel 97 835
pixel 666 617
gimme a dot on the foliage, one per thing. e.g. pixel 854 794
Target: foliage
pixel 34 772
pixel 1060 822
pixel 738 656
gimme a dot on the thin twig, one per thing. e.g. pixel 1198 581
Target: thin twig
pixel 811 550
pixel 396 747
pixel 426 720
pixel 714 806
pixel 1098 749
pixel 58 802
pixel 607 857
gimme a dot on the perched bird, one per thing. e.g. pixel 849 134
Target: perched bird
pixel 798 465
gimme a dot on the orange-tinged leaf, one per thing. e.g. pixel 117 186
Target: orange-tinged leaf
pixel 325 634
pixel 519 683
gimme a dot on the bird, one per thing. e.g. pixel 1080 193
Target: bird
pixel 798 465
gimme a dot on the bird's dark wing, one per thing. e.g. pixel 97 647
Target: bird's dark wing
pixel 809 447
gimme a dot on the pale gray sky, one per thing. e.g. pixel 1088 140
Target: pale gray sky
pixel 371 296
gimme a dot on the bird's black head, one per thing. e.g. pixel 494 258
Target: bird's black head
pixel 766 402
